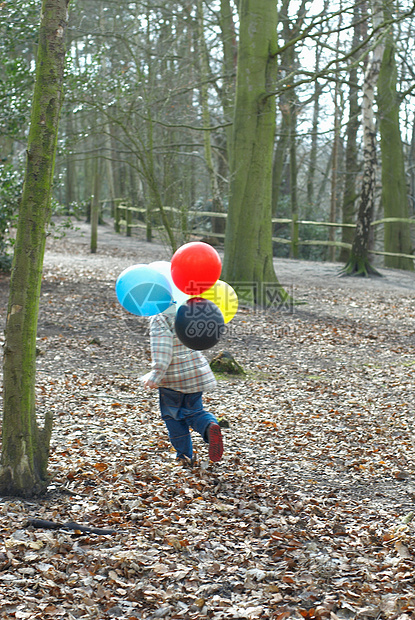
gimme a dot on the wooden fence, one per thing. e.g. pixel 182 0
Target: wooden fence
pixel 124 219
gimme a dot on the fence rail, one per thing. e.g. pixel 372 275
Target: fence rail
pixel 124 218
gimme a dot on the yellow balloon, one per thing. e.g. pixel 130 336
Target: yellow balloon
pixel 223 295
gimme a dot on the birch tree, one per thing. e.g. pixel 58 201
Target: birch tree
pixel 358 263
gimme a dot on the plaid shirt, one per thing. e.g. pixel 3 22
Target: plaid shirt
pixel 173 365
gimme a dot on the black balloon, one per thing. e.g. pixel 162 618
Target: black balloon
pixel 199 324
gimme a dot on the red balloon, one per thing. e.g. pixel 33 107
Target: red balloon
pixel 195 267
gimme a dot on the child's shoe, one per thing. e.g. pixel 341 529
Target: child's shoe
pixel 215 442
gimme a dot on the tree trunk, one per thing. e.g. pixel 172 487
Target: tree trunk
pixel 358 263
pixel 230 55
pixel 314 134
pixel 293 105
pixel 338 112
pixel 110 172
pixel 217 202
pixel 289 106
pixel 394 190
pixel 351 167
pixel 70 177
pixel 95 207
pixel 334 174
pixel 229 61
pixel 411 172
pixel 155 200
pixel 25 449
pixel 280 154
pixel 248 245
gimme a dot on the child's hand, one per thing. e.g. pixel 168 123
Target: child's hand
pixel 148 383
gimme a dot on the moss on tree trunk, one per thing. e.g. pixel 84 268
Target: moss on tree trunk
pixel 25 446
pixel 248 245
pixel 394 189
pixel 224 362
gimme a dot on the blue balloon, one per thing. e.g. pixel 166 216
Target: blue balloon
pixel 143 291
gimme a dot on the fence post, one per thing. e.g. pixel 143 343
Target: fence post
pixel 116 217
pixel 294 237
pixel 128 220
pixel 148 222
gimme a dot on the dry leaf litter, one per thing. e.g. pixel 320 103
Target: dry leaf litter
pixel 308 515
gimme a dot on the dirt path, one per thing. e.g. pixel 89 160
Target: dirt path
pixel 302 518
pixel 120 250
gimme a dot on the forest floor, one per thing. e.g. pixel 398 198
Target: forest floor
pixel 308 515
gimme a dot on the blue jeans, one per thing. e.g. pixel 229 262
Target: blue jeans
pixel 180 412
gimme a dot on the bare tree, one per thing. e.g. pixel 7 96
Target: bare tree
pixel 351 160
pixel 25 448
pixel 394 190
pixel 248 244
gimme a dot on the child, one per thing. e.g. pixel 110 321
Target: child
pixel 181 375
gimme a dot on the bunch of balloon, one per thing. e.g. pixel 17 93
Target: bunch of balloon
pixel 189 283
pixel 200 321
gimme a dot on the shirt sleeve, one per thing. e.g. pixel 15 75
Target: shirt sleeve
pixel 161 343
